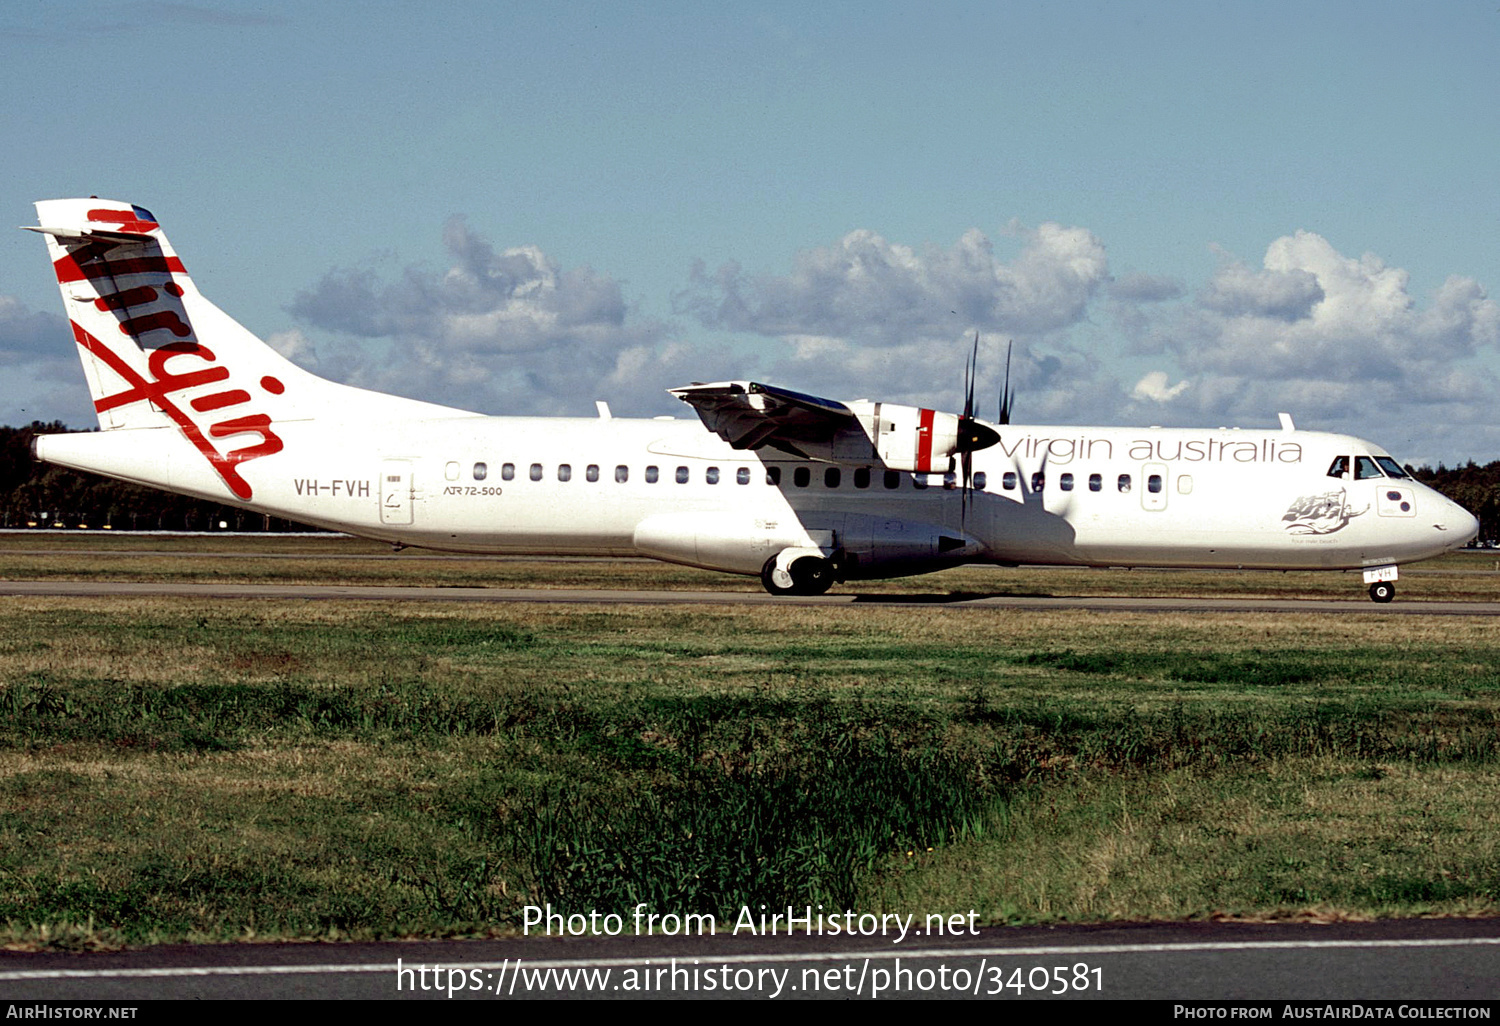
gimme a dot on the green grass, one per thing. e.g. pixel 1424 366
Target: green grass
pixel 175 769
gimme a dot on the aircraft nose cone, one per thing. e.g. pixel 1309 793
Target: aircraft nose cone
pixel 1458 525
pixel 1466 523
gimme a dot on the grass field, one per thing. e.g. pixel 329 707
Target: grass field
pixel 177 769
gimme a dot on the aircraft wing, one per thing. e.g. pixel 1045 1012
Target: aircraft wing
pixel 750 415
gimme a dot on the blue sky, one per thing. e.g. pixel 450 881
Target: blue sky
pixel 1180 213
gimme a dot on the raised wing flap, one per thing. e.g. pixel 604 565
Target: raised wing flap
pixel 749 415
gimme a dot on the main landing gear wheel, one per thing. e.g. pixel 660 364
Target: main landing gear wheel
pixel 1382 591
pixel 810 575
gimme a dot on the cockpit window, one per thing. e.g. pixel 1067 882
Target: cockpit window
pixel 1365 468
pixel 1339 467
pixel 1390 466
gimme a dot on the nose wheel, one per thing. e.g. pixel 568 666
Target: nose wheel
pixel 1382 591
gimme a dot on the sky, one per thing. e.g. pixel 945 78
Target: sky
pixel 1181 214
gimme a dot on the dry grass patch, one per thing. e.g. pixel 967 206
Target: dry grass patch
pixel 337 560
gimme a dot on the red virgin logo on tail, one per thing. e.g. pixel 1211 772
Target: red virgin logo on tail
pixel 193 365
pixel 149 302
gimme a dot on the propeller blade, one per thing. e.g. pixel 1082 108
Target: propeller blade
pixel 971 434
pixel 971 368
pixel 1007 397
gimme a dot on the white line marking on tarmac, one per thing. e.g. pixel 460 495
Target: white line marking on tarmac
pixel 740 959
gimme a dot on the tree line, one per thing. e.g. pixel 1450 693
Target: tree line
pixel 36 494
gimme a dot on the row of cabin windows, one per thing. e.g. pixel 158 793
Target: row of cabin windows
pixel 1155 483
pixel 481 471
pixel 832 477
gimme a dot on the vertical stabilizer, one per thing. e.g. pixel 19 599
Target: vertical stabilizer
pixel 158 355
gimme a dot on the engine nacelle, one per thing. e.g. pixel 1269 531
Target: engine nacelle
pixel 899 437
pixel 910 437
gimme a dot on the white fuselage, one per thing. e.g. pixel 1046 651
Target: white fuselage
pixel 670 489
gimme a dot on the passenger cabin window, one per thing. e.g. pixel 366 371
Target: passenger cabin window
pixel 1339 467
pixel 652 474
pixel 682 475
pixel 591 472
pixel 831 477
pixel 1065 482
pixel 1184 484
pixel 980 480
pixel 1124 483
pixel 801 476
pixel 1365 468
pixel 742 476
pixel 919 480
pixel 481 471
pixel 891 479
pixel 773 476
pixel 1096 483
pixel 862 477
pixel 536 471
pixel 1008 482
pixel 507 471
pixel 950 480
pixel 565 471
pixel 450 471
pixel 622 474
pixel 711 475
pixel 1153 484
pixel 1038 481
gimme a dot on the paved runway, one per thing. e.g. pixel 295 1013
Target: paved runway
pixel 1451 960
pixel 313 592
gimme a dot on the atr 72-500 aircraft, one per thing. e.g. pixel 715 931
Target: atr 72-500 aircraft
pixel 799 490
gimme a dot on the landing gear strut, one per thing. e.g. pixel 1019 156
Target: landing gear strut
pixel 1382 591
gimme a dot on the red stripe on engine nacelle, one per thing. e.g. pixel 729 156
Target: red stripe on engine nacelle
pixel 924 440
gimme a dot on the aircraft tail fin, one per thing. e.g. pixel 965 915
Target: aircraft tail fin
pixel 157 354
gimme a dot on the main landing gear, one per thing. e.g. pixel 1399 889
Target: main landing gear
pixel 805 575
pixel 1382 591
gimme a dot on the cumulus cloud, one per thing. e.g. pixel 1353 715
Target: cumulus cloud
pixel 43 376
pixel 498 330
pixel 1311 312
pixel 27 336
pixel 885 294
pixel 1339 340
pixel 1154 387
pixel 870 317
pixel 1145 288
